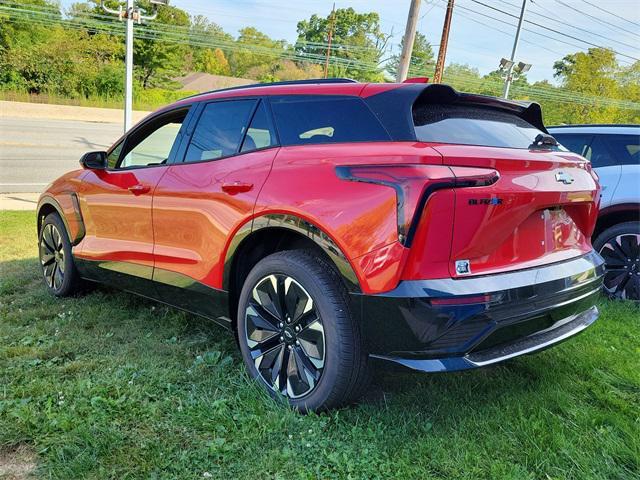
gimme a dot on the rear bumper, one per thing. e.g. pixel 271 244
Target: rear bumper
pixel 447 324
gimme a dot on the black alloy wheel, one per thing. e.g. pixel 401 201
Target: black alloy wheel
pixel 58 268
pixel 52 256
pixel 285 335
pixel 620 248
pixel 296 333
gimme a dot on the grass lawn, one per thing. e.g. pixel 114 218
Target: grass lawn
pixel 109 385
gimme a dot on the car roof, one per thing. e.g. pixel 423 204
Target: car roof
pixel 306 87
pixel 610 128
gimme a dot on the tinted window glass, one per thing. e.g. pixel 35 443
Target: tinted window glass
pixel 260 133
pixel 308 120
pixel 219 130
pixel 151 144
pixel 471 125
pixel 608 150
pixel 576 143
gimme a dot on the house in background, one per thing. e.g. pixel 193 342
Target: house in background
pixel 205 82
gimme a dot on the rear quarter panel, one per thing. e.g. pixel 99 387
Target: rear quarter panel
pixel 361 218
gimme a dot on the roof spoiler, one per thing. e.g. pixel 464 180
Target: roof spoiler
pixel 531 112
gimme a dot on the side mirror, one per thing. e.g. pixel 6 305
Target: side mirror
pixel 94 160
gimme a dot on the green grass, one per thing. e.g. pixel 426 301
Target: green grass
pixel 144 100
pixel 108 385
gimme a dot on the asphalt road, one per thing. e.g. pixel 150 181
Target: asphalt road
pixel 33 152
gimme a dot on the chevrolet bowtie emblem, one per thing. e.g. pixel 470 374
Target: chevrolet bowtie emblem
pixel 564 178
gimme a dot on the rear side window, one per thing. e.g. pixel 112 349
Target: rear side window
pixel 305 120
pixel 260 133
pixel 609 150
pixel 471 125
pixel 219 130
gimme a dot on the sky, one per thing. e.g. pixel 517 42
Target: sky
pixel 479 36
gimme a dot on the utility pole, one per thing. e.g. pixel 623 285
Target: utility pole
pixel 128 67
pixel 507 83
pixel 130 14
pixel 407 41
pixel 442 52
pixel 333 24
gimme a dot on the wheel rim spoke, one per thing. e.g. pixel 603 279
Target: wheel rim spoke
pixel 312 343
pixel 57 277
pixel 47 258
pixel 297 302
pixel 49 270
pixel 299 380
pixel 266 295
pixel 47 237
pixel 259 326
pixel 285 336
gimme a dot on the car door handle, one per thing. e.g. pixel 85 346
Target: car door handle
pixel 236 187
pixel 139 189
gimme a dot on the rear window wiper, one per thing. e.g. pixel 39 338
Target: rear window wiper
pixel 543 140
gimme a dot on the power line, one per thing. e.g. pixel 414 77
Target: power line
pixel 554 30
pixel 524 28
pixel 597 19
pixel 568 24
pixel 611 13
pixel 496 29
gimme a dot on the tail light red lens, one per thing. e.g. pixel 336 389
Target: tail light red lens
pixel 414 184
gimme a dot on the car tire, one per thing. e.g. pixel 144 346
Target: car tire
pixel 58 268
pixel 297 335
pixel 620 247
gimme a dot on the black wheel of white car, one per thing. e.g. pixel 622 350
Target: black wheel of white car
pixel 620 247
pixel 296 333
pixel 58 270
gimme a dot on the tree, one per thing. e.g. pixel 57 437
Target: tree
pixel 358 43
pixel 213 61
pixel 422 58
pixel 591 73
pixel 252 49
pixel 157 61
pixel 462 77
pixel 209 47
pixel 285 70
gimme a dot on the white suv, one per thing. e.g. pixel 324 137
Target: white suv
pixel 614 152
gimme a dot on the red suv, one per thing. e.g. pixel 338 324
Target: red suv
pixel 332 224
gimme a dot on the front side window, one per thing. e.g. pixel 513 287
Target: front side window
pixel 472 125
pixel 220 130
pixel 151 144
pixel 305 120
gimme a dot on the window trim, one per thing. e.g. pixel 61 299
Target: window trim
pixel 175 148
pixel 181 160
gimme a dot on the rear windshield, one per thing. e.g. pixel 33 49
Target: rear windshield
pixel 303 120
pixel 472 125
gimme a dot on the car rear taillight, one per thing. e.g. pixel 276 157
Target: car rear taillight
pixel 414 184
